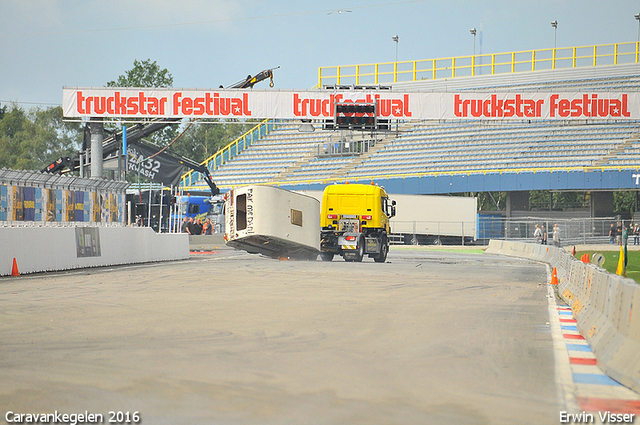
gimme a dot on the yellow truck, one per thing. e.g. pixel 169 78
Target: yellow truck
pixel 354 222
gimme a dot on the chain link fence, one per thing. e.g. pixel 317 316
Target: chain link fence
pixel 571 231
pixel 32 199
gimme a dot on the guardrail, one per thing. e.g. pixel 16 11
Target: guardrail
pixel 216 160
pixel 486 64
pixel 602 304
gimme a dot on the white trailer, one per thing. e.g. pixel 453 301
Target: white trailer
pixel 434 219
pixel 430 219
pixel 274 222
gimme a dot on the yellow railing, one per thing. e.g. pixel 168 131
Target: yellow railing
pixel 380 177
pixel 487 64
pixel 229 151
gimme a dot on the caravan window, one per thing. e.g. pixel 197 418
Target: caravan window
pixel 241 212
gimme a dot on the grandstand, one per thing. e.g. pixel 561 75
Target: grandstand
pixel 286 156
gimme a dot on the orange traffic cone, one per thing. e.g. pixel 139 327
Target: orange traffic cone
pixel 554 277
pixel 14 270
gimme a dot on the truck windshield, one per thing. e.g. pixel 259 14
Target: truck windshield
pixel 185 208
pixel 217 208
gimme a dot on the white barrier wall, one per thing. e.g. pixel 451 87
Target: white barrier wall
pixel 40 249
pixel 602 304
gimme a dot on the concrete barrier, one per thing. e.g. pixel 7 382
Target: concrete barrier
pixel 602 304
pixel 208 242
pixel 41 249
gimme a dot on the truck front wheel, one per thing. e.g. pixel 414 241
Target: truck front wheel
pixel 384 250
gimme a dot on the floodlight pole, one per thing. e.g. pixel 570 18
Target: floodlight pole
pixel 473 33
pixel 396 39
pixel 637 16
pixel 554 24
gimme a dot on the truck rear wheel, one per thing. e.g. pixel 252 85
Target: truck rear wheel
pixel 359 250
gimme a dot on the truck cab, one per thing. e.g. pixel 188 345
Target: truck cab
pixel 355 221
pixel 203 207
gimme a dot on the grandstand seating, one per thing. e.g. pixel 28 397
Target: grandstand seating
pixel 629 156
pixel 602 83
pixel 489 146
pixel 266 158
pixel 286 155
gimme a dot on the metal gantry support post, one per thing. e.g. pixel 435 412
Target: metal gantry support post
pixel 97 138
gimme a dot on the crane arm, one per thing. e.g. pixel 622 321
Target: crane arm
pixel 250 81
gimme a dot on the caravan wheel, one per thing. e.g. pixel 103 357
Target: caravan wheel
pixel 326 256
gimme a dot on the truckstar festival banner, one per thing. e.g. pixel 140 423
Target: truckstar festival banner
pixel 319 104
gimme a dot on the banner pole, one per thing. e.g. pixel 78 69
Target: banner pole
pixel 124 151
pixel 149 215
pixel 161 209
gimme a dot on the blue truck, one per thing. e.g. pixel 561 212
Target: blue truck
pixel 200 206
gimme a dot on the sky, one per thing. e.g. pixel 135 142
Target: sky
pixel 48 44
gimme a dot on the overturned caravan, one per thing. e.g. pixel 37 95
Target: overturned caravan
pixel 273 222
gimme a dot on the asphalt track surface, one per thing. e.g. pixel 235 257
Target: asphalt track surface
pixel 231 338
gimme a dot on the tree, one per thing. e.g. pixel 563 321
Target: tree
pixel 203 138
pixel 144 74
pixel 148 74
pixel 33 139
pixel 206 137
pixel 12 125
pixel 491 201
pixel 624 201
pixel 541 200
pixel 63 138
